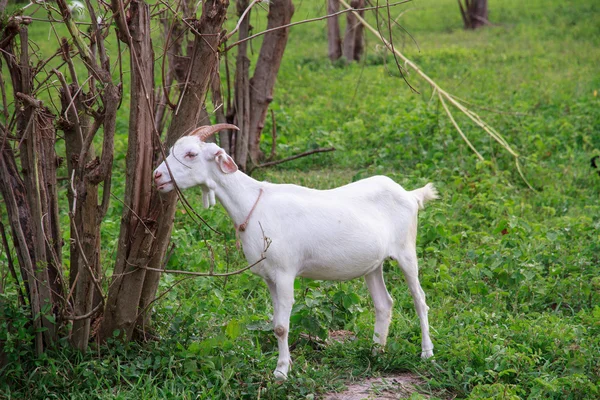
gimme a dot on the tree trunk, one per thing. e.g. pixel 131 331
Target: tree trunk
pixel 145 234
pixel 31 201
pixel 242 89
pixel 474 13
pixel 333 31
pixel 83 212
pixel 28 127
pixel 38 161
pixel 204 61
pixel 219 106
pixel 352 46
pixel 359 36
pixel 265 73
pixel 134 242
pixel 19 217
pixel 174 34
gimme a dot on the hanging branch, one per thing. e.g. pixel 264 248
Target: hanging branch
pixel 443 95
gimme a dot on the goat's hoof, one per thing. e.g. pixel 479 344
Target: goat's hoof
pixel 427 354
pixel 280 376
pixel 377 349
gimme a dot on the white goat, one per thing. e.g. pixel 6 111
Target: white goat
pixel 336 234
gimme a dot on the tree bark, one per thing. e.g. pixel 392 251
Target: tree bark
pixel 27 127
pixel 44 201
pixel 265 73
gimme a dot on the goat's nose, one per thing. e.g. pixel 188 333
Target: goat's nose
pixel 157 175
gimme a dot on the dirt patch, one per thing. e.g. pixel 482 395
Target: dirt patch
pixel 390 387
pixel 341 336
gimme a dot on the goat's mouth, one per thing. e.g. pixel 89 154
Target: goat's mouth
pixel 163 187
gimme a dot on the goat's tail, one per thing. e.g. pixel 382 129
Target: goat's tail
pixel 425 194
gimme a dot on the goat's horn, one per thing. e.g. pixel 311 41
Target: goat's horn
pixel 203 132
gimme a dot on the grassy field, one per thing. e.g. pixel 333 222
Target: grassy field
pixel 510 273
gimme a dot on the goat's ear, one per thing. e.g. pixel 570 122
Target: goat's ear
pixel 226 163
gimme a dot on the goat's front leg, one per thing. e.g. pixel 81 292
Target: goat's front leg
pixel 282 294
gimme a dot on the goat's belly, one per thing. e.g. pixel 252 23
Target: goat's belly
pixel 342 254
pixel 337 273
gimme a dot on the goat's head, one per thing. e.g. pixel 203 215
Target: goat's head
pixel 192 162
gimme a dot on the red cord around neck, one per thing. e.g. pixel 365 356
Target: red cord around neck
pixel 242 227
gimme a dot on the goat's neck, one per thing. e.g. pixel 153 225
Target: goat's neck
pixel 238 193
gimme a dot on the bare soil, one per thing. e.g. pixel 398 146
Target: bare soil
pixel 397 386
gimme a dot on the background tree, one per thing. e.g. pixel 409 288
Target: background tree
pixel 253 95
pixel 474 13
pixel 352 45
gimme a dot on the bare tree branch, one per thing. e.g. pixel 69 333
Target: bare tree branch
pixel 205 274
pixel 306 153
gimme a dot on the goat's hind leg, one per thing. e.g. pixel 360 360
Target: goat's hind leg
pixel 383 304
pixel 408 262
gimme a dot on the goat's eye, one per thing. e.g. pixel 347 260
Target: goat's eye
pixel 190 154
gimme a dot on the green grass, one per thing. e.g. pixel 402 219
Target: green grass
pixel 511 274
